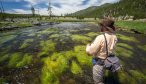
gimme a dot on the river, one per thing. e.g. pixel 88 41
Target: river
pixel 28 55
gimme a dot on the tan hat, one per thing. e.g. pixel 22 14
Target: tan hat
pixel 108 23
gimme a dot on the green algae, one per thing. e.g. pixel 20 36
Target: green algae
pixel 131 77
pixel 54 36
pixel 44 32
pixel 92 34
pixel 58 63
pixel 142 47
pixel 127 38
pixel 27 59
pixel 47 31
pixel 32 34
pixel 69 54
pixel 125 46
pixel 140 77
pixel 120 51
pixel 81 56
pixel 17 60
pixel 48 75
pixel 54 68
pixel 2 81
pixel 4 58
pixel 7 38
pixel 74 31
pixel 75 68
pixel 14 59
pixel 124 78
pixel 26 43
pixel 47 47
pixel 80 39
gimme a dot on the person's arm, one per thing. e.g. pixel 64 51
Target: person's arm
pixel 93 48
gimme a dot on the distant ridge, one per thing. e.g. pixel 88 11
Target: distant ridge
pixel 136 8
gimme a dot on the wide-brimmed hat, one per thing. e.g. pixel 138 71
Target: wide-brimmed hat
pixel 108 23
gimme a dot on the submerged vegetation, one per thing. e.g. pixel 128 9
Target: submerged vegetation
pixel 61 63
pixel 80 39
pixel 61 53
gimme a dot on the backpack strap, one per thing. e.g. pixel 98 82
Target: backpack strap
pixel 106 46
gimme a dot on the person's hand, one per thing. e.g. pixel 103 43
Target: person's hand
pixel 88 44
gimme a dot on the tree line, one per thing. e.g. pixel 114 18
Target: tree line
pixel 134 8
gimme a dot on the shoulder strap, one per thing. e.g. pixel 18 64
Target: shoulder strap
pixel 106 46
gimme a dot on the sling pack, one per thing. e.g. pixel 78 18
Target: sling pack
pixel 111 62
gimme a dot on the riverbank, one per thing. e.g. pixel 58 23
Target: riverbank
pixel 6 26
pixel 137 27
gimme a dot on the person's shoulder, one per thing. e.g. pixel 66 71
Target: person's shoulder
pixel 100 36
pixel 115 37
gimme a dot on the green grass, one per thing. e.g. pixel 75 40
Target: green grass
pixel 137 25
pixel 22 24
pixel 3 24
pixel 19 24
pixel 67 20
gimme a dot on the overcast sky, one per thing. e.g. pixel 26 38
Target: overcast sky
pixel 58 6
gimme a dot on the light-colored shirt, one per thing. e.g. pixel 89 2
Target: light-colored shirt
pixel 98 47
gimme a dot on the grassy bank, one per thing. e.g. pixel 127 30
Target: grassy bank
pixel 67 20
pixel 137 25
pixel 18 24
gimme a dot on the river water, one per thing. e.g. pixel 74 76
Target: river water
pixel 23 53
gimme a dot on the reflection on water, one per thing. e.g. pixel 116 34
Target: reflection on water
pixel 54 54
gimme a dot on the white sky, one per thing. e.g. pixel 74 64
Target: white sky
pixel 65 6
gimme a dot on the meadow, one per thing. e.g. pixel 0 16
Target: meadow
pixel 136 25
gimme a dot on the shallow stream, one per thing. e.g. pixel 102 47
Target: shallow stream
pixel 55 54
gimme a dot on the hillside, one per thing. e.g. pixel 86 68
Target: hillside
pixel 134 8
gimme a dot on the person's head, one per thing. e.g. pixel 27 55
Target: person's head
pixel 107 25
